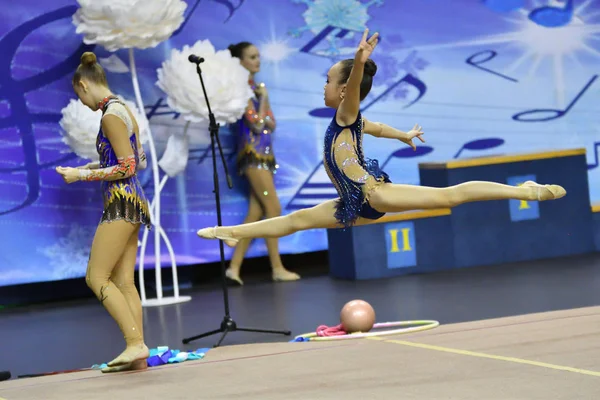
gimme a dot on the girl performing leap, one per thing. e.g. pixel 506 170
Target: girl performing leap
pixel 112 260
pixel 365 191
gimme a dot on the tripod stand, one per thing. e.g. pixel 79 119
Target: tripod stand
pixel 228 324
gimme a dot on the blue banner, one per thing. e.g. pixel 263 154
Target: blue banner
pixel 480 77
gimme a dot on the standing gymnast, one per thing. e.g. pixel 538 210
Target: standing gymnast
pixel 112 260
pixel 365 191
pixel 256 161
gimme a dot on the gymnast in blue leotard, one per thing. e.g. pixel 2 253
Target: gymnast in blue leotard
pixel 353 177
pixel 366 192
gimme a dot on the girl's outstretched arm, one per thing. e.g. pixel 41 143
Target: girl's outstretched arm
pixel 350 105
pixel 378 129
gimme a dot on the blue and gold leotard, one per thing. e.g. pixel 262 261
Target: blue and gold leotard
pixel 353 176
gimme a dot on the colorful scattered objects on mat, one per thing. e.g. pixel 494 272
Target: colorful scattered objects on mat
pixel 324 330
pixel 163 355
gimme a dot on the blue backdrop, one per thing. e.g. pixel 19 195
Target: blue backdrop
pixel 481 77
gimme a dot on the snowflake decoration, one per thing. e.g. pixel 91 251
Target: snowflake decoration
pixel 343 14
pixel 412 64
pixel 352 16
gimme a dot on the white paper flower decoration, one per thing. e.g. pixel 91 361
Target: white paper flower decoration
pixel 123 24
pixel 80 127
pixel 225 80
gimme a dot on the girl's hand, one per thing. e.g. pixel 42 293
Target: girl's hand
pixel 261 90
pixel 69 174
pixel 366 47
pixel 415 132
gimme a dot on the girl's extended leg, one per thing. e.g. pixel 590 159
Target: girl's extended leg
pixel 108 247
pixel 397 198
pixel 387 198
pixel 263 187
pixel 320 216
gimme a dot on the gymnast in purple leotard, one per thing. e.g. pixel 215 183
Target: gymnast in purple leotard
pixel 256 161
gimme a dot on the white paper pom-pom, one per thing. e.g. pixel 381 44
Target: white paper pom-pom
pixel 80 126
pixel 124 24
pixel 225 80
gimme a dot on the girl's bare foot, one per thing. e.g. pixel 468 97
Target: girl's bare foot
pixel 234 276
pixel 137 365
pixel 212 233
pixel 282 274
pixel 545 192
pixel 131 354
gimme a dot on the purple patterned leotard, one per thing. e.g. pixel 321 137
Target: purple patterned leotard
pixel 254 141
pixel 123 199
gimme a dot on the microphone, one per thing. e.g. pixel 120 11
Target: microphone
pixel 195 59
pixel 4 375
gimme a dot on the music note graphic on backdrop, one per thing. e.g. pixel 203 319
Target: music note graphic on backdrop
pixel 202 154
pixel 477 63
pixel 594 165
pixel 232 9
pixel 553 16
pixel 153 110
pixel 480 145
pixel 504 6
pixel 14 91
pixel 326 112
pixel 318 188
pixel 554 112
pixel 158 112
pixel 325 33
pixel 399 161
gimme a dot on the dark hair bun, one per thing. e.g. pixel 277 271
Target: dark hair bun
pixel 237 50
pixel 370 67
pixel 88 59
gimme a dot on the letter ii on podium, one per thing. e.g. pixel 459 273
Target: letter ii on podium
pixel 401 247
pixel 521 210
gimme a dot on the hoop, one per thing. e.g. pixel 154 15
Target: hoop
pixel 421 326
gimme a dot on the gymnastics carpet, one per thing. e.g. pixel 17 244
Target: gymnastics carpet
pixel 553 355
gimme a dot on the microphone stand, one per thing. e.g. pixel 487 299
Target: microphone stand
pixel 228 324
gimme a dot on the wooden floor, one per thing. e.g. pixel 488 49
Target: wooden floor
pixel 519 331
pixel 553 355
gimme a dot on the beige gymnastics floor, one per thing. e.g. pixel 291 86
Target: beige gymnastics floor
pixel 539 356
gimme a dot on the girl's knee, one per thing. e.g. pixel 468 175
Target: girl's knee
pixel 88 280
pixel 451 197
pixel 98 287
pixel 124 285
pixel 96 283
pixel 301 219
pixel 297 220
